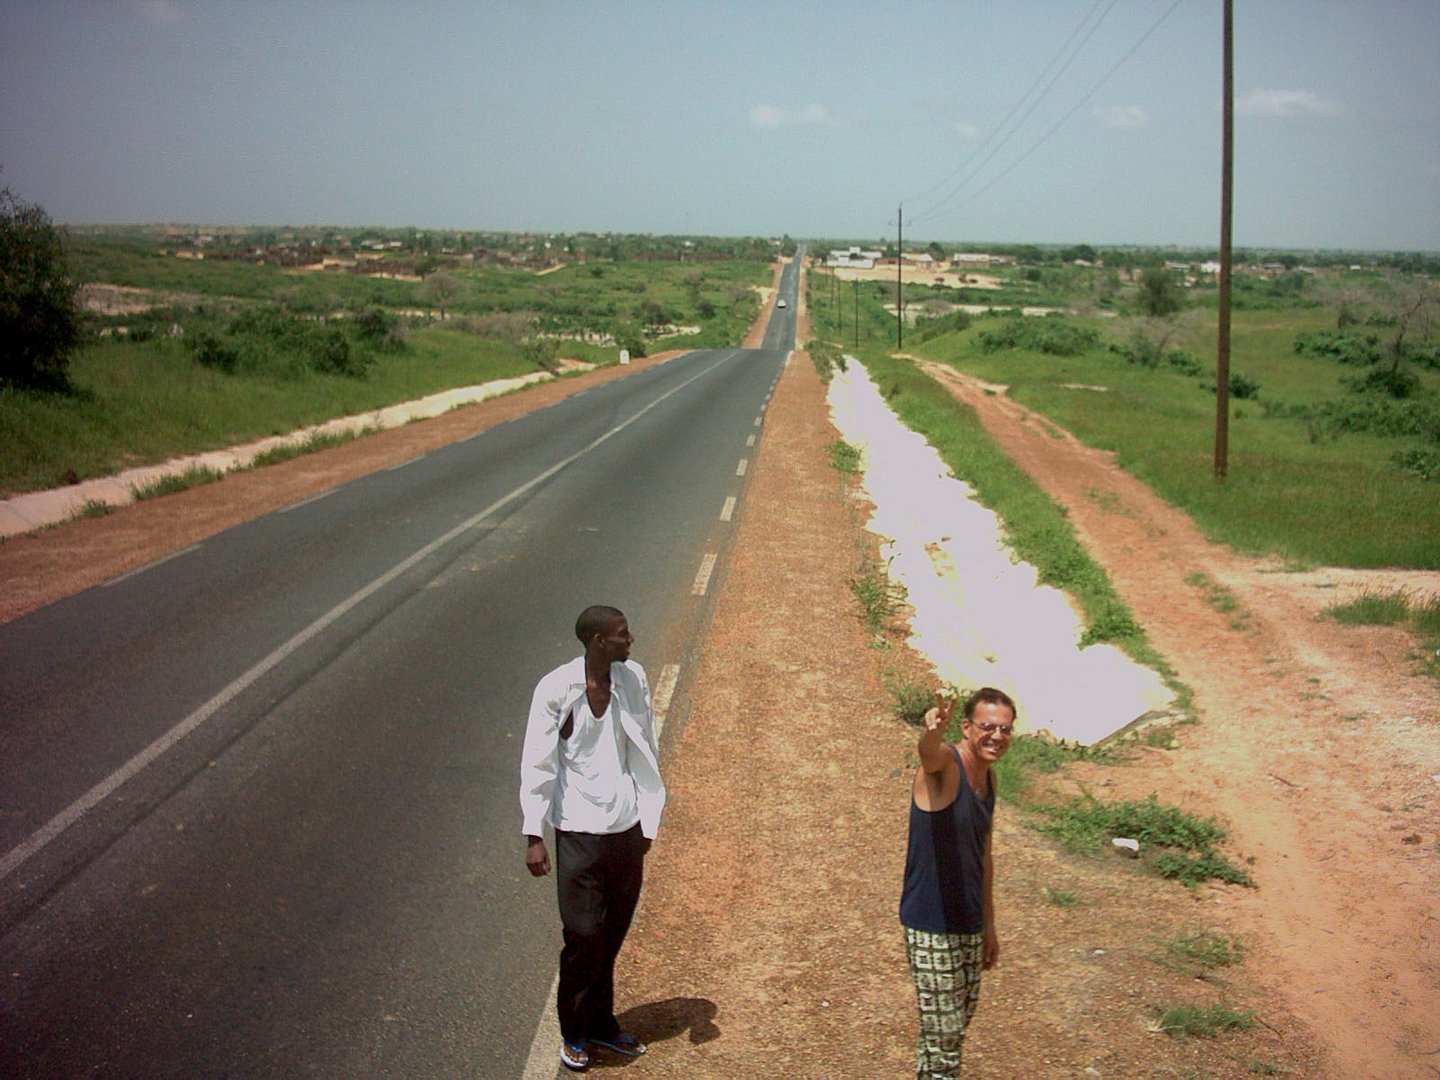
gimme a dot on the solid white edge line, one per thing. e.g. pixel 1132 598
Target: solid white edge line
pixel 664 691
pixel 150 565
pixel 307 501
pixel 545 1046
pixel 57 825
pixel 702 579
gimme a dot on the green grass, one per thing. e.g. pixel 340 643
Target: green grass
pixel 1289 492
pixel 1202 1021
pixel 1420 615
pixel 138 404
pixel 1029 755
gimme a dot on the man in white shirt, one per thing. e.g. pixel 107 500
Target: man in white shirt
pixel 591 769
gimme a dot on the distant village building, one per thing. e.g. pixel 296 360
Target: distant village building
pixel 972 260
pixel 853 257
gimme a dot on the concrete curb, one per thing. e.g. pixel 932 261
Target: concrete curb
pixel 38 509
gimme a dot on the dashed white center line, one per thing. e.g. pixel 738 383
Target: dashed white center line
pixel 750 441
pixel 728 510
pixel 702 579
pixel 744 464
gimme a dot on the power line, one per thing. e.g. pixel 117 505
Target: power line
pixel 1062 121
pixel 1021 101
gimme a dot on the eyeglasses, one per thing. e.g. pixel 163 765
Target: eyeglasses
pixel 997 729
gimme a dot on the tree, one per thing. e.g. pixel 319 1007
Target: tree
pixel 39 309
pixel 1158 292
pixel 440 290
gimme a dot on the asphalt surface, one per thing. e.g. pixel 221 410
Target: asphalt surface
pixel 258 811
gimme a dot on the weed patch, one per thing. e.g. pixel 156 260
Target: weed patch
pixel 1194 951
pixel 194 476
pixel 1184 845
pixel 844 457
pixel 1203 1021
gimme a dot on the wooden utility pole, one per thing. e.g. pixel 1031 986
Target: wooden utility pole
pixel 857 314
pixel 900 278
pixel 1227 176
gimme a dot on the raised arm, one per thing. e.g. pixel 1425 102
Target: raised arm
pixel 935 757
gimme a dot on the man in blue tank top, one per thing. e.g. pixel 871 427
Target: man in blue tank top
pixel 947 904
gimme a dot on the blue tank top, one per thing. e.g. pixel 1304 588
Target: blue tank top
pixel 944 890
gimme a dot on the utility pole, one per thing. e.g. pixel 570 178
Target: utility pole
pixel 857 314
pixel 1227 172
pixel 900 277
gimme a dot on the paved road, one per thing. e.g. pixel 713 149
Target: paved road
pixel 258 801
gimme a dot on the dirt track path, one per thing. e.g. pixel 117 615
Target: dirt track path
pixel 1316 743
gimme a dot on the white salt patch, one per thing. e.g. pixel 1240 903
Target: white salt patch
pixel 980 615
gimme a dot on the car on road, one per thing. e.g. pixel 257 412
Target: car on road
pixel 780 302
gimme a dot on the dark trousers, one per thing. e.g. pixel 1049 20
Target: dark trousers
pixel 598 877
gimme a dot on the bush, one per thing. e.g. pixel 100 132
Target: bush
pixel 1417 462
pixel 1051 336
pixel 628 337
pixel 1142 352
pixel 1392 382
pixel 210 351
pixel 1356 350
pixel 380 329
pixel 1242 387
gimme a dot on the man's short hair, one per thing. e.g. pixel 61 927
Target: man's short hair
pixel 988 695
pixel 596 619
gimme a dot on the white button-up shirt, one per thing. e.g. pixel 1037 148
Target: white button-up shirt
pixel 566 786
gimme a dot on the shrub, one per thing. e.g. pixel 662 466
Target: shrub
pixel 380 329
pixel 1143 352
pixel 1417 461
pixel 1051 336
pixel 1355 350
pixel 212 352
pixel 1392 382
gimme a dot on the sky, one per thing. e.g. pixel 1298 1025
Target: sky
pixel 990 121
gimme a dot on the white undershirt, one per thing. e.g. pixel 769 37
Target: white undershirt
pixel 594 791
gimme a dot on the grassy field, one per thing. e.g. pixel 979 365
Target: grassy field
pixel 264 349
pixel 1302 483
pixel 1295 488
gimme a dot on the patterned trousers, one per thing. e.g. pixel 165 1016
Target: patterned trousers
pixel 946 968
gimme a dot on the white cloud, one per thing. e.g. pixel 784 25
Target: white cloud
pixel 1123 117
pixel 159 12
pixel 1283 104
pixel 771 118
